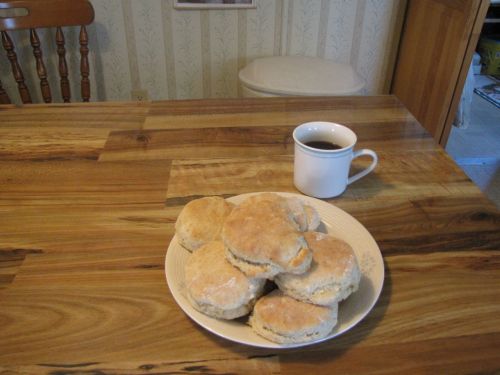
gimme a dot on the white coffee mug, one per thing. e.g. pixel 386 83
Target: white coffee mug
pixel 324 173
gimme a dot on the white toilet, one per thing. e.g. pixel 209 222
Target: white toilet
pixel 298 76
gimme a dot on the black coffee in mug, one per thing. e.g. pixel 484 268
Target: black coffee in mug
pixel 323 145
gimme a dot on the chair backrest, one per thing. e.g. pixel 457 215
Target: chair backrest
pixel 33 14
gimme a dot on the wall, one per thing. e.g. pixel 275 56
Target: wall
pixel 175 54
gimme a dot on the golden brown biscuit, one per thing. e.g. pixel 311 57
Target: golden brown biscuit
pixel 200 221
pixel 306 216
pixel 263 239
pixel 333 276
pixel 313 219
pixel 284 320
pixel 215 287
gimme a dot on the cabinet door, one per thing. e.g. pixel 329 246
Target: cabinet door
pixel 436 48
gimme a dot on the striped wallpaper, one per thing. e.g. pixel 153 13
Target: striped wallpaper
pixel 175 54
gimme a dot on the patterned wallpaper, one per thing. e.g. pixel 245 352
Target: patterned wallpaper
pixel 175 54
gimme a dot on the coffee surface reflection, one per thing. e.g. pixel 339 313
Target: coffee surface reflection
pixel 323 145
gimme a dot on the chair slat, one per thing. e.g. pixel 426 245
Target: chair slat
pixel 63 66
pixel 16 69
pixel 40 66
pixel 84 65
pixel 4 97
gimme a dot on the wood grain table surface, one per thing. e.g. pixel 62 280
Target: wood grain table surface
pixel 89 194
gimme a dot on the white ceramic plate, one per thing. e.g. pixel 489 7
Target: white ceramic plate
pixel 351 311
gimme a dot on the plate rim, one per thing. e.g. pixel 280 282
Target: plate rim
pixel 269 344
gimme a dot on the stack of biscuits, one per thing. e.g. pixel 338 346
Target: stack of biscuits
pixel 267 238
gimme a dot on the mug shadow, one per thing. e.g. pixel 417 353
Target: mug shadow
pixel 368 186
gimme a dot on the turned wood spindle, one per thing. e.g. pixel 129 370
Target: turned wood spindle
pixel 84 65
pixel 16 69
pixel 40 66
pixel 4 97
pixel 63 66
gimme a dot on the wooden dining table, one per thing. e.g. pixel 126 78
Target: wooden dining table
pixel 89 196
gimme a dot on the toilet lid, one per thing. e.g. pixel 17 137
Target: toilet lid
pixel 300 75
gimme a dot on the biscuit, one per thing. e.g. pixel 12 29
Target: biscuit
pixel 216 288
pixel 200 221
pixel 263 239
pixel 304 215
pixel 284 320
pixel 333 276
pixel 313 219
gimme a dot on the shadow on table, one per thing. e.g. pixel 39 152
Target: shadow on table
pixel 367 187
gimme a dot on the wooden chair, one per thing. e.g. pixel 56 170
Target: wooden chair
pixel 33 14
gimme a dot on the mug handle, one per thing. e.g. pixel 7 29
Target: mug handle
pixel 364 172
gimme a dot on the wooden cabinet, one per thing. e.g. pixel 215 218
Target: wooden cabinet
pixel 438 41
